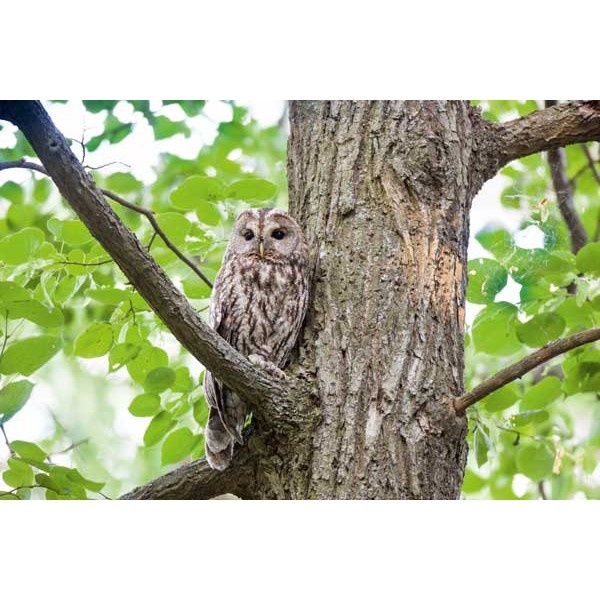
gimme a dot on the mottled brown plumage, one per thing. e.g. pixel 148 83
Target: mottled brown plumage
pixel 258 305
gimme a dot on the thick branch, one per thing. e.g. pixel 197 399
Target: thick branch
pixel 564 196
pixel 275 402
pixel 549 128
pixel 197 481
pixel 524 366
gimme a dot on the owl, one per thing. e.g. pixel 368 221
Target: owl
pixel 258 305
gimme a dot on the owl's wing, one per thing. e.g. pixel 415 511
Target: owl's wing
pixel 228 405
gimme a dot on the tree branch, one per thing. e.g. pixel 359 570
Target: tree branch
pixel 149 214
pixel 197 481
pixel 552 127
pixel 523 366
pixel 591 163
pixel 564 195
pixel 278 403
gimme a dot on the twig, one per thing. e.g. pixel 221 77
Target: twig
pixel 564 195
pixel 84 264
pixel 541 490
pixel 591 163
pixel 151 241
pixel 21 487
pixel 161 234
pixel 523 366
pixel 5 437
pixel 108 164
pixel 149 214
pixel 72 446
pixel 5 334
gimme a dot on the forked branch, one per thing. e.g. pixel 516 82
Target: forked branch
pixel 523 366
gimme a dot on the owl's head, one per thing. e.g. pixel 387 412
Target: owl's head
pixel 267 234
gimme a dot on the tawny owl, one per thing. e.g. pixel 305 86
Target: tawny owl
pixel 258 305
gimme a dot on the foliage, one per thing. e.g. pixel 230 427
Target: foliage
pixel 537 436
pixel 66 308
pixel 78 341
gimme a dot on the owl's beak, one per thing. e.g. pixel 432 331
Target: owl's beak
pixel 261 248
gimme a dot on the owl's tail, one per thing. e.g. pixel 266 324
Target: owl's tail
pixel 218 442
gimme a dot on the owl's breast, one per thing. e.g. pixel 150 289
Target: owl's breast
pixel 263 308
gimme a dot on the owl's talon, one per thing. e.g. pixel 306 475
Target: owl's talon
pixel 269 367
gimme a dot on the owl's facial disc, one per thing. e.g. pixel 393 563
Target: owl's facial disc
pixel 265 234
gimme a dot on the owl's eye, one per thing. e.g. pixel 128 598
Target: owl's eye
pixel 278 234
pixel 248 235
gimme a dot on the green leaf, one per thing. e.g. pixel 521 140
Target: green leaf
pixel 503 398
pixel 159 379
pixel 481 442
pixel 21 247
pixel 70 231
pixel 21 215
pixel 74 476
pixel 541 329
pixel 145 405
pixel 96 106
pixel 175 226
pixel 200 412
pixel 177 446
pixel 28 355
pixel 190 107
pixel 472 482
pixel 160 425
pixel 28 450
pixel 194 287
pixel 149 358
pixel 10 291
pixel 109 295
pixel 530 266
pixel 120 355
pixel 12 191
pixel 41 189
pixel 164 128
pixel 486 278
pixel 95 341
pixel 123 183
pixel 251 189
pixel 541 394
pixel 209 214
pixel 493 330
pixel 19 473
pixel 13 398
pixel 34 311
pixel 183 380
pixel 115 130
pixel 529 417
pixel 535 462
pixel 44 480
pixel 588 259
pixel 195 190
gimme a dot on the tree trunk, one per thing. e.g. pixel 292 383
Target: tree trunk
pixel 383 190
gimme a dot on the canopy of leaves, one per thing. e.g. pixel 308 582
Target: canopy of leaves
pixel 538 436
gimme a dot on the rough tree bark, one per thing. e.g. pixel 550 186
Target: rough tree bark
pixel 383 190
